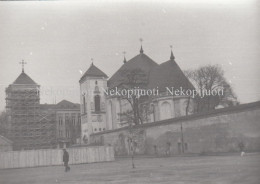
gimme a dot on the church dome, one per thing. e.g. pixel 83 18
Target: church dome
pixel 141 61
pixel 168 74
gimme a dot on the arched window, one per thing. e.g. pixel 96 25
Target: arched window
pixel 166 112
pixel 97 103
pixel 152 116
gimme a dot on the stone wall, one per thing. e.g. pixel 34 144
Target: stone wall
pixel 223 130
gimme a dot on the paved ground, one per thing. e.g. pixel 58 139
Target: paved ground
pixel 171 170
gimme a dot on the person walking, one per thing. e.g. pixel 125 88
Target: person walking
pixel 66 160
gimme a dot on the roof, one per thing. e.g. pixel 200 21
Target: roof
pixel 168 74
pixel 64 104
pixel 6 140
pixel 94 71
pixel 23 78
pixel 141 61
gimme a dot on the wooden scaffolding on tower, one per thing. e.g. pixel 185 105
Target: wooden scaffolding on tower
pixel 29 126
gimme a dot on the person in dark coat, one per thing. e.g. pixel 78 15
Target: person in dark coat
pixel 66 160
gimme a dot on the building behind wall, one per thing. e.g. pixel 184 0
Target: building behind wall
pixel 68 123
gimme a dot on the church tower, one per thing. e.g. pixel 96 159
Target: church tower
pixel 28 127
pixel 22 103
pixel 92 102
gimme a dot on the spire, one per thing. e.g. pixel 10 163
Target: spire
pixel 92 61
pixel 124 56
pixel 141 50
pixel 172 56
pixel 23 63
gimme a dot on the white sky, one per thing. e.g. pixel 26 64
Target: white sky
pixel 57 40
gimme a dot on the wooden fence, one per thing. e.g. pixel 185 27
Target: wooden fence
pixel 49 157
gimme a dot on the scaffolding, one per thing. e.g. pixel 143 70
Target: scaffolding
pixel 29 126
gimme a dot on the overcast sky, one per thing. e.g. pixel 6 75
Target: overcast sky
pixel 58 40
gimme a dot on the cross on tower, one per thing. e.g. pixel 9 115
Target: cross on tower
pixel 23 63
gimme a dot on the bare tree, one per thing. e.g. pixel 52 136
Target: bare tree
pixel 134 80
pixel 207 79
pixel 133 133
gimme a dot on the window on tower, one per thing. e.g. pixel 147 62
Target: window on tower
pixel 84 105
pixel 97 103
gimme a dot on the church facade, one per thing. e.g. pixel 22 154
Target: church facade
pixel 101 111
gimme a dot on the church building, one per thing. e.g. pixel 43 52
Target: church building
pixel 100 112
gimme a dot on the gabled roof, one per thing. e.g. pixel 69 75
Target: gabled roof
pixel 141 61
pixel 168 74
pixel 64 104
pixel 94 71
pixel 23 78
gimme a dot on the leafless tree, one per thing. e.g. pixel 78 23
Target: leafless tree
pixel 207 79
pixel 127 119
pixel 134 79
